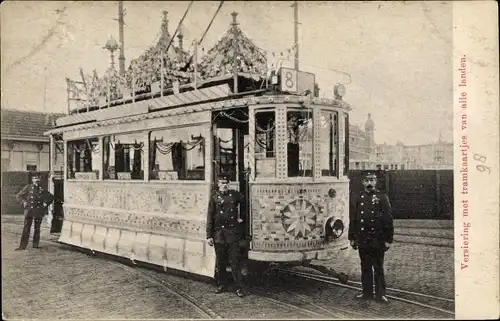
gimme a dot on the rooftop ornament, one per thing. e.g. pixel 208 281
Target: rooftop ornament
pixel 158 68
pixel 112 46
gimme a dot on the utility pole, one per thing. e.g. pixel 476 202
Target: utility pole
pixel 121 23
pixel 45 90
pixel 296 33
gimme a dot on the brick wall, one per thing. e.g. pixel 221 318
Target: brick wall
pixel 414 194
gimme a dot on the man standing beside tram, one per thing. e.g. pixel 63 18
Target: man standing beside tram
pixel 225 231
pixel 371 231
pixel 35 201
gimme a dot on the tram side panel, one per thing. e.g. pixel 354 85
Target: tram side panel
pixel 162 224
pixel 289 221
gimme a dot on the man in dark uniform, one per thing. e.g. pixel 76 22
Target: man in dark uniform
pixel 225 230
pixel 35 201
pixel 371 231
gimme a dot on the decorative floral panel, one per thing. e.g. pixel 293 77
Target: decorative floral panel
pixel 286 216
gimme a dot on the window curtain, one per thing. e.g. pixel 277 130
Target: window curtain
pixel 119 158
pixel 107 154
pixel 178 159
pixel 137 165
pixel 87 158
pixel 152 159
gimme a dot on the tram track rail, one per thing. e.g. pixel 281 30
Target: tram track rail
pixel 290 300
pixel 306 305
pixel 201 308
pixel 420 299
pixel 204 311
pixel 296 303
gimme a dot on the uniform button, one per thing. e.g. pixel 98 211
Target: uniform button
pixel 362 229
pixel 222 226
pixel 373 212
pixel 372 228
pixel 362 196
pixel 372 220
pixel 221 211
pixel 362 221
pixel 362 212
pixel 362 204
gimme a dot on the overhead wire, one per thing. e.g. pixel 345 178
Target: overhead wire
pixel 204 34
pixel 178 27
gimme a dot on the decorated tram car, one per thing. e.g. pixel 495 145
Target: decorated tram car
pixel 141 165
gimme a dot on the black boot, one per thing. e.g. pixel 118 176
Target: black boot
pixel 220 289
pixel 240 293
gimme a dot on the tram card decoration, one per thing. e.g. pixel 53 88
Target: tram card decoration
pixel 295 81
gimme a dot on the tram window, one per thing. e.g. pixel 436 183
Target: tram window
pixel 225 152
pixel 177 154
pixel 329 142
pixel 300 143
pixel 265 144
pixel 124 156
pixel 84 156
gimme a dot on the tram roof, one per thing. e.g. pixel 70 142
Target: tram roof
pixel 214 88
pixel 207 99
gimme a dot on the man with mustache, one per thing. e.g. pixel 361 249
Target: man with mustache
pixel 225 230
pixel 371 231
pixel 35 202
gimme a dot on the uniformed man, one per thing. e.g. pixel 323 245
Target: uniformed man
pixel 225 230
pixel 371 231
pixel 35 201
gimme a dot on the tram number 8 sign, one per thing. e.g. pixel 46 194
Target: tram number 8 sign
pixel 288 80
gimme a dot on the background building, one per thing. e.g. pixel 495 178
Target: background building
pixel 364 153
pixel 24 148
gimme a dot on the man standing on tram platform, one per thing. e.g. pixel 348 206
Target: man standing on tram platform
pixel 225 230
pixel 35 201
pixel 371 231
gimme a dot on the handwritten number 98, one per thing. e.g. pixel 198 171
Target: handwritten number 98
pixel 482 159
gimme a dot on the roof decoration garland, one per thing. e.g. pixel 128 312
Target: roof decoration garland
pixel 145 71
pixel 147 68
pixel 219 60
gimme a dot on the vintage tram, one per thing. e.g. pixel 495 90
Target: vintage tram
pixel 140 169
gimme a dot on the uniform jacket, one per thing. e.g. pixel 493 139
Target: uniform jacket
pixel 32 198
pixel 222 217
pixel 370 219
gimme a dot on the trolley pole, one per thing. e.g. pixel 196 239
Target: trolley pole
pixel 296 33
pixel 195 58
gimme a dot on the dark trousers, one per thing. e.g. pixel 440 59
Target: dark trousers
pixel 27 229
pixel 228 253
pixel 372 265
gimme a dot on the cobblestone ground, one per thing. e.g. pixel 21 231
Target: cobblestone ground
pixel 58 283
pixel 413 267
pixel 53 283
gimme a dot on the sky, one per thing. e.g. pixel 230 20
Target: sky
pixel 398 54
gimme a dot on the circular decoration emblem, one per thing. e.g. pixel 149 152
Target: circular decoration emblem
pixel 299 217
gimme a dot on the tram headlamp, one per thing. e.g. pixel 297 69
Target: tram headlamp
pixel 334 228
pixel 339 91
pixel 332 193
